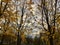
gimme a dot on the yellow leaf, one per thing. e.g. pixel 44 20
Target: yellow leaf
pixel 6 0
pixel 53 37
pixel 42 38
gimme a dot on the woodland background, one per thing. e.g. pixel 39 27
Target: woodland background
pixel 29 22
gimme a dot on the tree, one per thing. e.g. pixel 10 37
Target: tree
pixel 45 10
pixel 22 18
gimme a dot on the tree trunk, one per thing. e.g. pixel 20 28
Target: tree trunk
pixel 1 43
pixel 51 40
pixel 18 39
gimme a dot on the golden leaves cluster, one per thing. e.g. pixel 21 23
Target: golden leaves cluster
pixel 6 1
